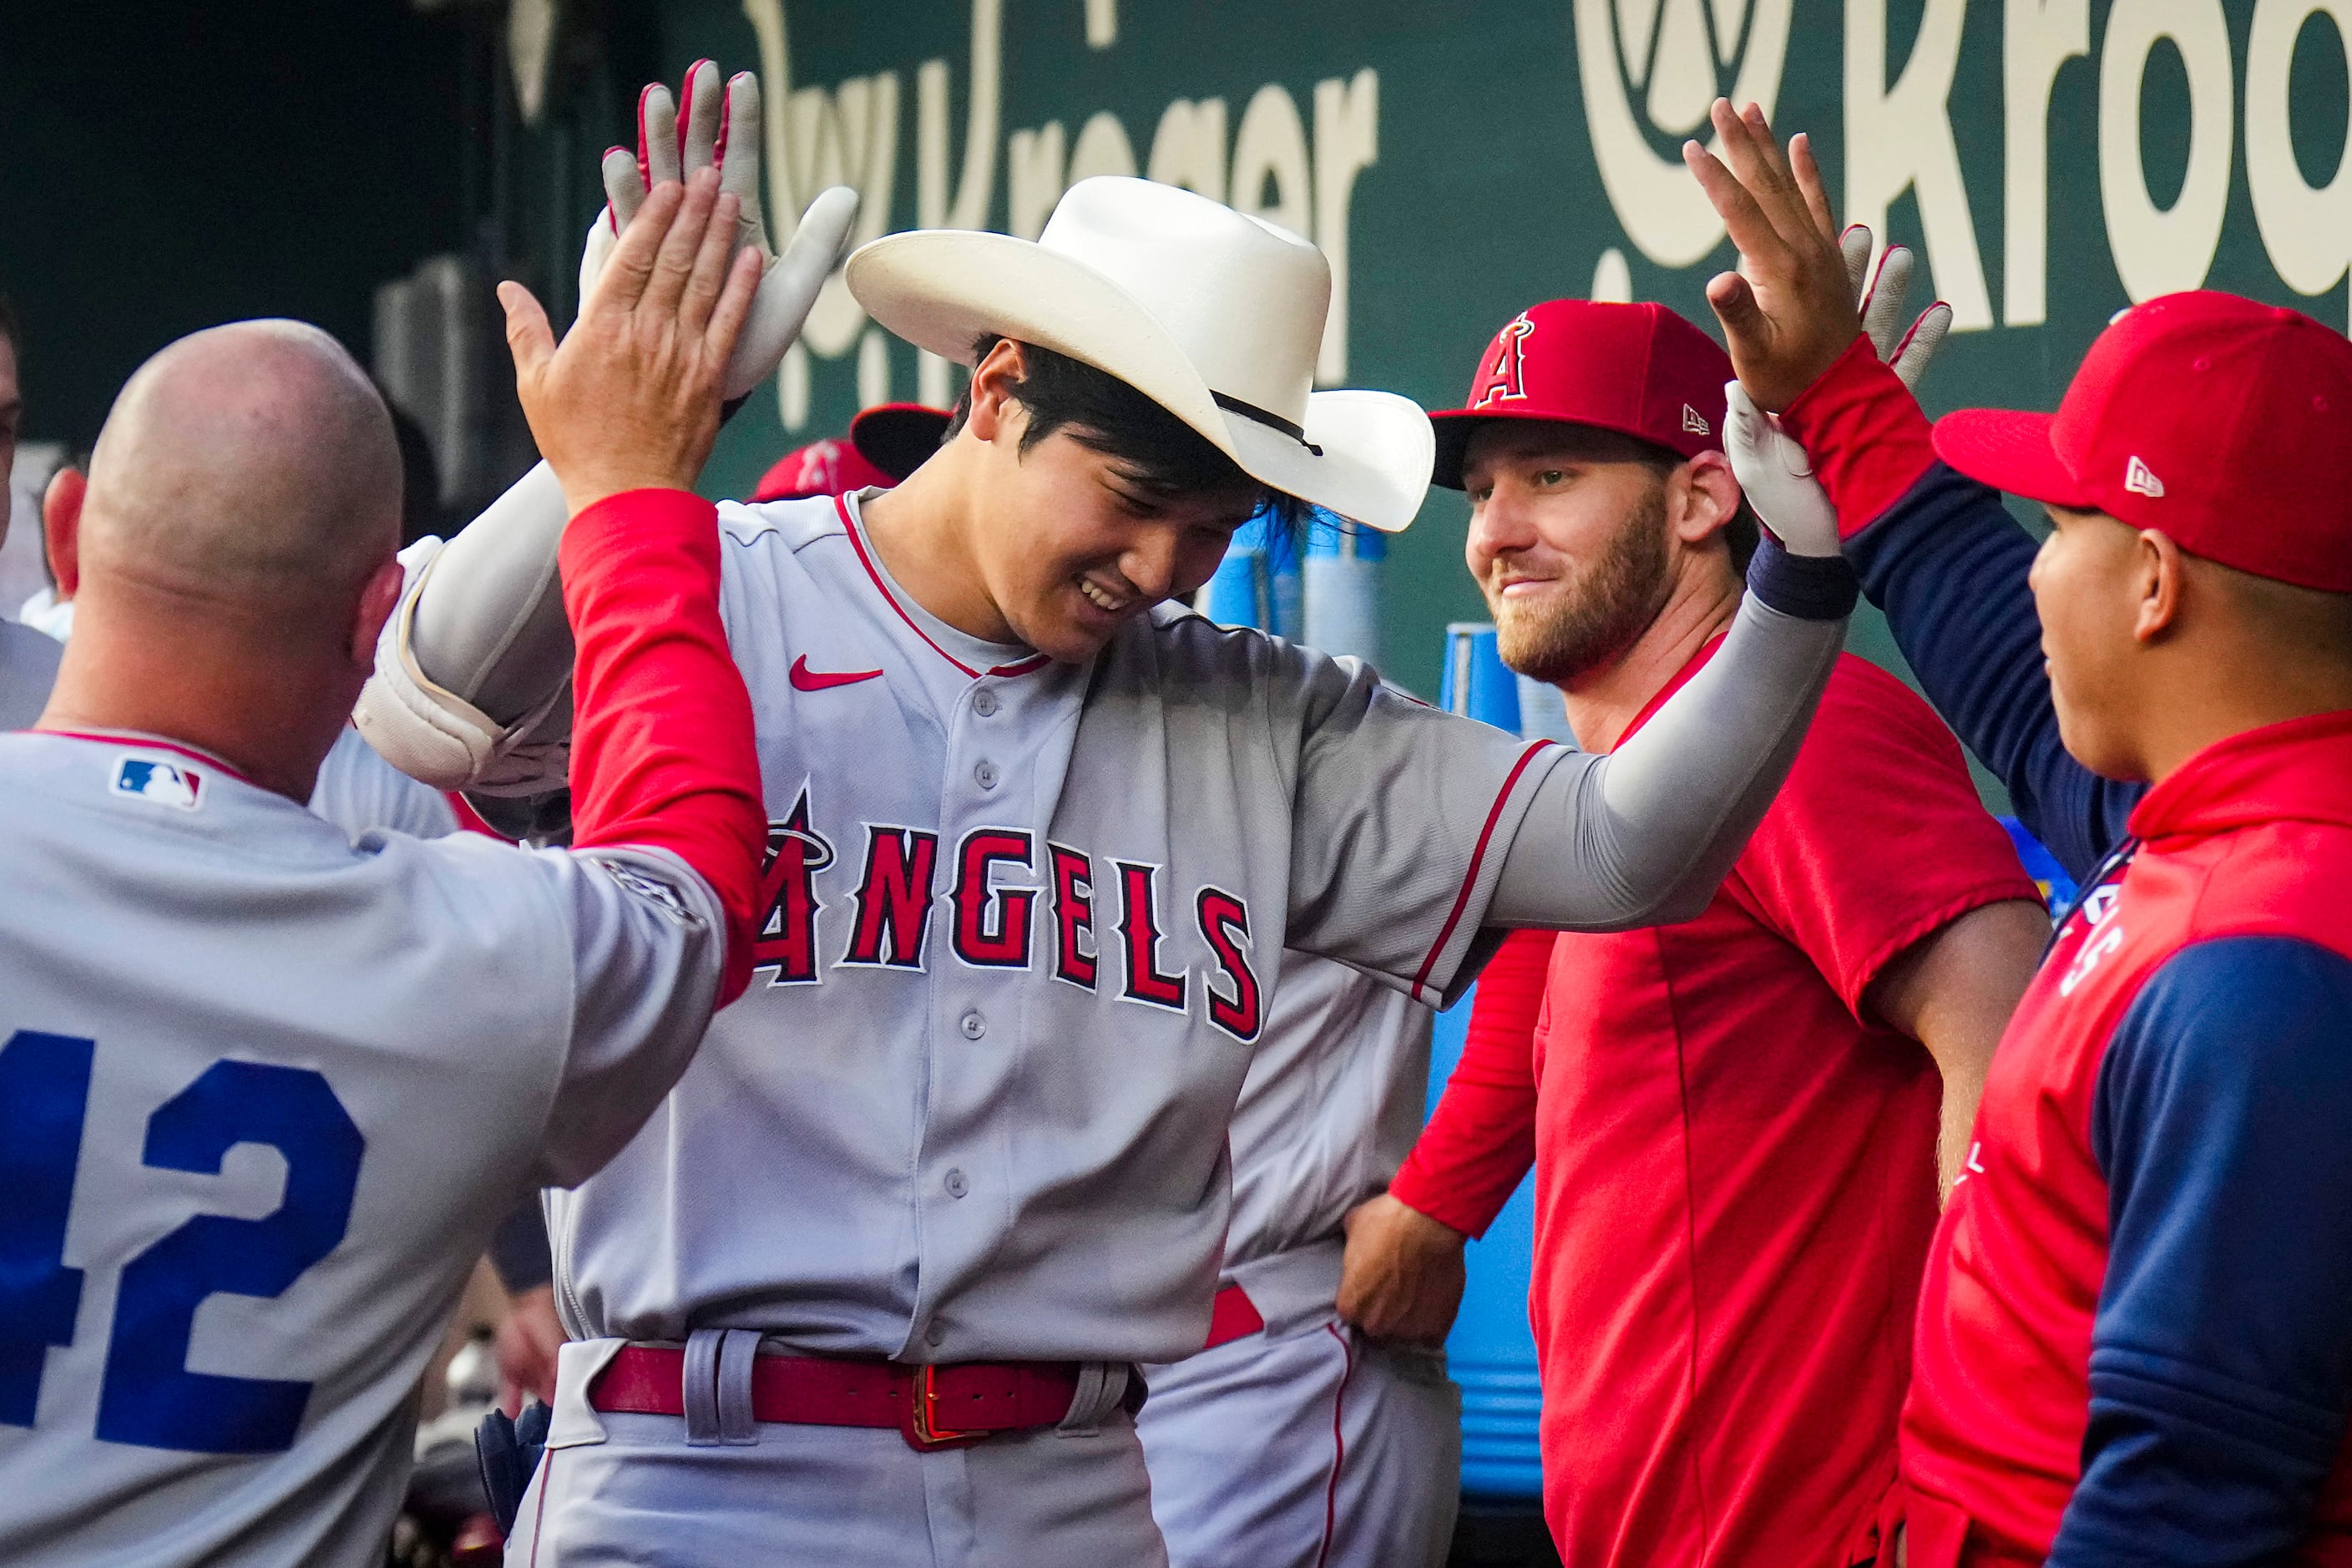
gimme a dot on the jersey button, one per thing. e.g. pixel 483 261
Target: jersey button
pixel 973 1024
pixel 957 1186
pixel 934 1334
pixel 985 775
pixel 984 704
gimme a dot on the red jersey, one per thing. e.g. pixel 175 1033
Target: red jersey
pixel 2248 842
pixel 1735 1165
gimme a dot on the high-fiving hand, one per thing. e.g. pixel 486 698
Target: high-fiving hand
pixel 631 399
pixel 1789 312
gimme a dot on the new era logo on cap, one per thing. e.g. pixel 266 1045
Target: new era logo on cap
pixel 2139 478
pixel 166 784
pixel 1695 422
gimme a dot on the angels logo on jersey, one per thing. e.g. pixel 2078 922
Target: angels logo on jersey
pixel 993 920
pixel 786 944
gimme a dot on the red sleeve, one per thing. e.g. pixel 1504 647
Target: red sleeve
pixel 1878 838
pixel 1866 434
pixel 1480 1140
pixel 662 753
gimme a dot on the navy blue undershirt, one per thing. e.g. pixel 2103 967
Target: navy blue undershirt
pixel 2220 1370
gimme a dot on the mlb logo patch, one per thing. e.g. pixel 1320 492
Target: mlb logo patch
pixel 166 784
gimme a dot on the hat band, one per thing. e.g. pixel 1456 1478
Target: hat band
pixel 1267 417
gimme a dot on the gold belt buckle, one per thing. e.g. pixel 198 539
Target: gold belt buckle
pixel 923 1431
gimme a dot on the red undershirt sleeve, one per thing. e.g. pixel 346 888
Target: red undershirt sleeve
pixel 1481 1140
pixel 1866 434
pixel 662 749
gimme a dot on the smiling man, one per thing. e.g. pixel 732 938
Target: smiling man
pixel 874 1286
pixel 1734 1124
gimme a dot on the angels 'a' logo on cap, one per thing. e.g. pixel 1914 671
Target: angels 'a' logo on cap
pixel 1504 380
pixel 1695 422
pixel 2141 480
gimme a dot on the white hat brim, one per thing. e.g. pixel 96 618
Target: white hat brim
pixel 944 289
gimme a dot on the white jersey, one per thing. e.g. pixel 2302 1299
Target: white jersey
pixel 28 668
pixel 358 790
pixel 1021 934
pixel 268 1094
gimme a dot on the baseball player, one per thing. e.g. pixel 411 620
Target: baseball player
pixel 1357 1459
pixel 2131 1344
pixel 872 1286
pixel 1755 1098
pixel 268 1090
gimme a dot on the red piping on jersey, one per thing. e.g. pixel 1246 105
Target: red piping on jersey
pixel 1477 856
pixel 1339 1444
pixel 1019 666
pixel 103 738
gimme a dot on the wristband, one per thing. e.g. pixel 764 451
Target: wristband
pixel 1809 587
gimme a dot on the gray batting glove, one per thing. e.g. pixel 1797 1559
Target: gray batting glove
pixel 1880 298
pixel 723 130
pixel 1778 478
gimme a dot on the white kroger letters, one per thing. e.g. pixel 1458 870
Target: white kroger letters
pixel 1270 149
pixel 1901 137
pixel 2037 38
pixel 1189 147
pixel 1347 142
pixel 2307 230
pixel 977 187
pixel 2156 251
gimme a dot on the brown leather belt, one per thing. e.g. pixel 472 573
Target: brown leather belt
pixel 931 1407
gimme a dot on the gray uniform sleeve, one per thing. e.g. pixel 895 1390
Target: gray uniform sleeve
pixel 646 953
pixel 1645 835
pixel 1418 837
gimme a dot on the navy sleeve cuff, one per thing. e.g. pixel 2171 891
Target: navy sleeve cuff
pixel 1809 587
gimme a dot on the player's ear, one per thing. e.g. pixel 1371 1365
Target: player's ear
pixel 1701 498
pixel 61 527
pixel 993 392
pixel 379 598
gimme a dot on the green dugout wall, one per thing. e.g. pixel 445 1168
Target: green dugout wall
pixel 2053 160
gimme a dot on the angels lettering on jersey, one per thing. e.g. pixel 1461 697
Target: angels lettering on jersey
pixel 1012 904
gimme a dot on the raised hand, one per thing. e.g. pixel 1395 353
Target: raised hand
pixel 712 129
pixel 1788 311
pixel 631 399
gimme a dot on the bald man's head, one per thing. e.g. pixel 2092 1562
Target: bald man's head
pixel 252 466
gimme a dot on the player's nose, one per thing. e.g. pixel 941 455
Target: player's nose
pixel 1149 563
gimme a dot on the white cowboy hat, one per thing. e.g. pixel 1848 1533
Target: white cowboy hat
pixel 1213 315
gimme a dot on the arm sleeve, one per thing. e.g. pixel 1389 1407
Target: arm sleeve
pixel 662 750
pixel 1878 839
pixel 1480 1140
pixel 1645 835
pixel 2221 1354
pixel 1940 555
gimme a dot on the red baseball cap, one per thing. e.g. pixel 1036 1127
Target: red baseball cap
pixel 884 443
pixel 2223 423
pixel 1639 370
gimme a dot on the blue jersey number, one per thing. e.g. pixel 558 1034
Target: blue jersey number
pixel 148 1394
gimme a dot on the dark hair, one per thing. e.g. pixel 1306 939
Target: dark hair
pixel 10 328
pixel 1162 453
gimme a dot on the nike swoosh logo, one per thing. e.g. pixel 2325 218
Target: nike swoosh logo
pixel 807 680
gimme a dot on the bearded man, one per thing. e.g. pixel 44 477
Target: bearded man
pixel 1735 1123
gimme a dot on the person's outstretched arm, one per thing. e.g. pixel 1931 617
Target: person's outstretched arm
pixel 472 672
pixel 670 825
pixel 1941 556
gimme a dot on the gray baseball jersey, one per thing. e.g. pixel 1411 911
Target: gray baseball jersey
pixel 1330 1108
pixel 267 1092
pixel 1021 928
pixel 358 790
